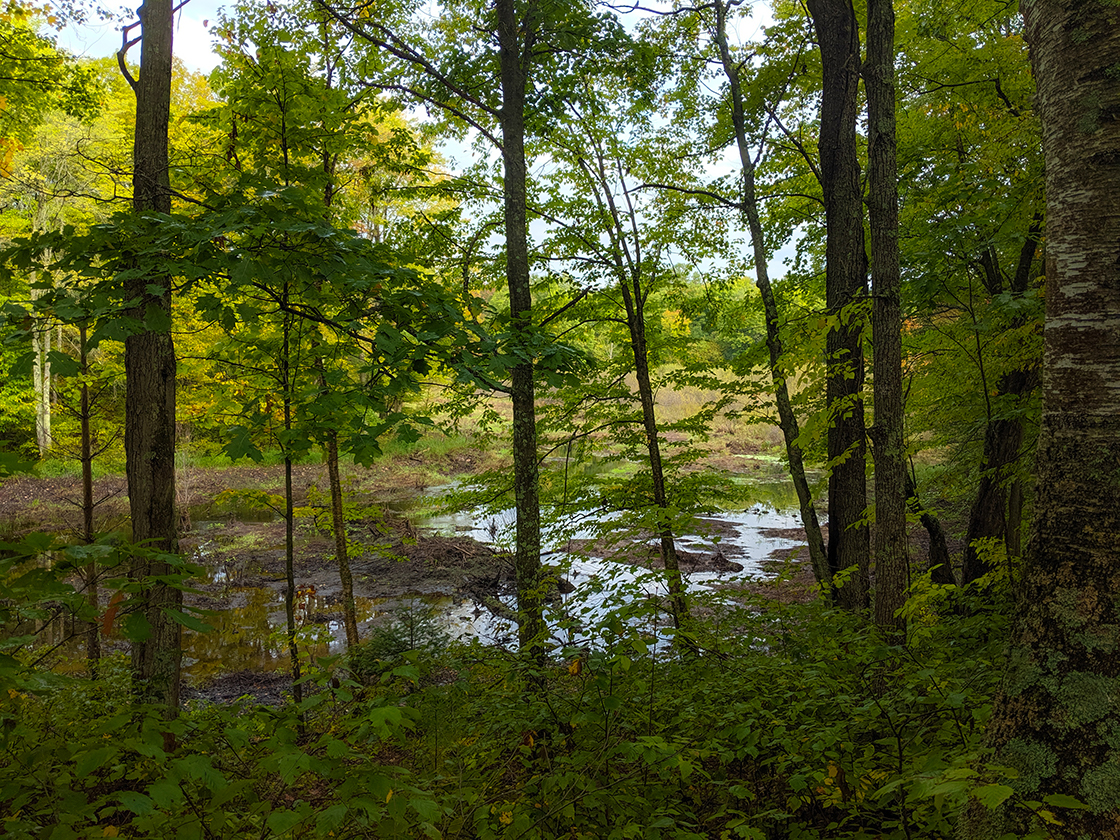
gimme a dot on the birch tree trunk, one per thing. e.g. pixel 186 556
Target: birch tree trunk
pixel 41 382
pixel 1058 712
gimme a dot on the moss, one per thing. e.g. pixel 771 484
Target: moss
pixel 1022 672
pixel 1109 732
pixel 1105 638
pixel 1100 788
pixel 1034 761
pixel 1084 698
pixel 1065 607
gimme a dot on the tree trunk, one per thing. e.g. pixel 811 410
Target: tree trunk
pixel 1056 716
pixel 891 556
pixel 93 636
pixel 787 420
pixel 846 286
pixel 149 437
pixel 635 318
pixel 993 515
pixel 41 382
pixel 341 547
pixel 515 41
pixel 939 564
pixel 989 517
pixel 287 385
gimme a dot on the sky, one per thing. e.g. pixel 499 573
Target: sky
pixel 191 39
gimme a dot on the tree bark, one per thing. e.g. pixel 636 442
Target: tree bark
pixel 41 382
pixel 939 564
pixel 845 287
pixel 891 556
pixel 93 635
pixel 993 515
pixel 287 384
pixel 634 300
pixel 1057 713
pixel 516 37
pixel 149 436
pixel 341 547
pixel 787 420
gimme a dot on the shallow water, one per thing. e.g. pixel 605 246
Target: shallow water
pixel 251 635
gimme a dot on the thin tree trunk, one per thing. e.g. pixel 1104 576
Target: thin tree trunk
pixel 787 420
pixel 341 549
pixel 846 286
pixel 938 563
pixel 41 381
pixel 515 41
pixel 635 317
pixel 93 637
pixel 149 437
pixel 286 383
pixel 891 560
pixel 338 519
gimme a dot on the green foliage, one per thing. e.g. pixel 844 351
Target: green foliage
pixel 414 634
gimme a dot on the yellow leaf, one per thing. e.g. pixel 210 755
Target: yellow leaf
pixel 389 795
pixel 110 831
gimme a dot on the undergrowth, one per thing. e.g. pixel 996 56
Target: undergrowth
pixel 797 723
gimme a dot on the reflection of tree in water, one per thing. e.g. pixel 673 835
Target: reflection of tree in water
pixel 240 639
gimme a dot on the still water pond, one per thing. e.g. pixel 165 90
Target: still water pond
pixel 249 635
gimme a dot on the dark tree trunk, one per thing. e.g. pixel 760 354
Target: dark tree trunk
pixel 938 563
pixel 1057 715
pixel 891 566
pixel 287 384
pixel 846 286
pixel 516 37
pixel 993 515
pixel 149 437
pixel 341 548
pixel 634 299
pixel 93 635
pixel 989 518
pixel 786 418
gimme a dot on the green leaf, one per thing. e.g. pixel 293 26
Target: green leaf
pixel 330 819
pixel 281 822
pixel 992 796
pixel 86 763
pixel 189 621
pixel 137 628
pixel 138 803
pixel 1062 800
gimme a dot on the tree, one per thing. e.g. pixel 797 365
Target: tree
pixel 481 74
pixel 787 419
pixel 970 175
pixel 845 292
pixel 1058 711
pixel 891 565
pixel 149 435
pixel 615 242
